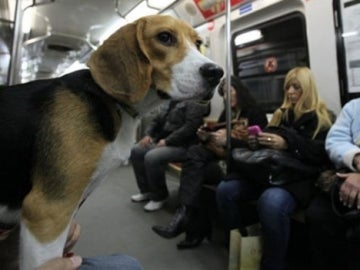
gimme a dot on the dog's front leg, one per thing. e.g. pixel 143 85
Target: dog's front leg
pixel 34 253
pixel 44 227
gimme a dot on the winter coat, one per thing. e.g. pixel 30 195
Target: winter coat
pixel 177 123
pixel 343 139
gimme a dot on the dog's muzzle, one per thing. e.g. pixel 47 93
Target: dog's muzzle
pixel 212 73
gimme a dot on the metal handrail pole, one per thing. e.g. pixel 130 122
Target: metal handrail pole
pixel 228 83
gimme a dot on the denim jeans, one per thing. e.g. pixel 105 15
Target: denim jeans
pixel 149 164
pixel 274 207
pixel 111 262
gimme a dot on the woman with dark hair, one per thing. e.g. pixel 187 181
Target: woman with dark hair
pixel 201 166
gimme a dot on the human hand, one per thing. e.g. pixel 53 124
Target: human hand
pixel 349 193
pixel 145 141
pixel 71 263
pixel 73 237
pixel 161 143
pixel 202 134
pixel 272 140
pixel 219 137
pixel 240 132
pixel 356 162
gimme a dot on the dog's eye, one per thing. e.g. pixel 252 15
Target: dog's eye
pixel 198 44
pixel 166 38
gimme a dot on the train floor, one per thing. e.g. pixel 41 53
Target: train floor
pixel 111 223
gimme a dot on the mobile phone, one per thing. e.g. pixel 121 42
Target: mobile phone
pixel 254 130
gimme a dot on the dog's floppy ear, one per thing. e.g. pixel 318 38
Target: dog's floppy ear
pixel 120 66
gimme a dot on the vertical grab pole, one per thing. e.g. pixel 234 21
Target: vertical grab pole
pixel 16 45
pixel 228 84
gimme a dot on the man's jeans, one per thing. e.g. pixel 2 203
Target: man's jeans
pixel 149 164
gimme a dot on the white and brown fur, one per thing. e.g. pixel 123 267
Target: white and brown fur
pixel 61 137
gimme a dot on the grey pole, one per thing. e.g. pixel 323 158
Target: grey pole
pixel 228 82
pixel 16 45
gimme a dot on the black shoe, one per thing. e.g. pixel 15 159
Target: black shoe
pixel 190 242
pixel 175 227
pixel 194 239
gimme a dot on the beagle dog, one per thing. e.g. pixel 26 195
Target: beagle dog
pixel 61 137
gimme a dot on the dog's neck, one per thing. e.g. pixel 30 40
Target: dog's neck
pixel 127 108
pixel 148 103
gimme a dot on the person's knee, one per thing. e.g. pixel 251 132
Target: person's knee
pixel 125 261
pixel 153 159
pixel 115 261
pixel 275 202
pixel 222 191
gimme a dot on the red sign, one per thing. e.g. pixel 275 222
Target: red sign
pixel 211 8
pixel 270 65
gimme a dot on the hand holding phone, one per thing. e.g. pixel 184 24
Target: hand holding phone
pixel 254 130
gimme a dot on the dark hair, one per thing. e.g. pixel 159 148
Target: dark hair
pixel 244 98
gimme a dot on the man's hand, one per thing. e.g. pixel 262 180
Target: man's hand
pixel 161 143
pixel 145 141
pixel 356 162
pixel 62 264
pixel 349 193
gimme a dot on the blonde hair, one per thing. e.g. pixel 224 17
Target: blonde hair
pixel 309 100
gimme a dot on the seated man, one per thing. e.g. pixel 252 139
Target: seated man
pixel 171 132
pixel 335 241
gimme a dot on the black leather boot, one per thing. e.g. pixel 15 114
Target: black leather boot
pixel 176 226
pixel 198 228
pixel 194 240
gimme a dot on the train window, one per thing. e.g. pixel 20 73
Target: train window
pixel 264 53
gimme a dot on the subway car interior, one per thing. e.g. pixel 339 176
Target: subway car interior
pixel 258 41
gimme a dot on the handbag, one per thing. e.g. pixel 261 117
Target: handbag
pixel 278 167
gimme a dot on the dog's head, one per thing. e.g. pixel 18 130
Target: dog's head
pixel 154 53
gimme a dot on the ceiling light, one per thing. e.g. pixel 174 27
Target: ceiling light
pixel 248 37
pixel 159 4
pixel 139 11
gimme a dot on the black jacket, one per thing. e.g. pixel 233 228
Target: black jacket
pixel 298 135
pixel 177 122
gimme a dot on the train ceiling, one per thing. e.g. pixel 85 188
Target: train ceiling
pixel 59 33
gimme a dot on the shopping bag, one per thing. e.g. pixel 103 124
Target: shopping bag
pixel 244 251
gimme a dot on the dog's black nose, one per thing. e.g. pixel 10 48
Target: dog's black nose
pixel 212 73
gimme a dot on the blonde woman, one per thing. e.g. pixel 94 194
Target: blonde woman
pixel 299 127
